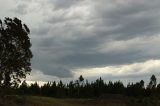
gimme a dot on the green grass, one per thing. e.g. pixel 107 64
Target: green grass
pixel 47 101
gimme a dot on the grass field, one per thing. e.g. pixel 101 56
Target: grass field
pixel 47 101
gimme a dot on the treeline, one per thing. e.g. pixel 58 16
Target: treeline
pixel 83 89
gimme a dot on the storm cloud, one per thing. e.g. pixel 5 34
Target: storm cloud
pixel 72 35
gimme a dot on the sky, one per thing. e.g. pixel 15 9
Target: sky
pixel 112 39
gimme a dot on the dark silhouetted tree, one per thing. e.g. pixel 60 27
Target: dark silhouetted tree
pixel 153 82
pixel 158 89
pixel 34 89
pixel 46 89
pixel 71 88
pixel 23 88
pixel 141 84
pixel 79 84
pixel 60 89
pixel 15 53
pixel 81 79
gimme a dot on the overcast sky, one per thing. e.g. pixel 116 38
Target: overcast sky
pixel 114 39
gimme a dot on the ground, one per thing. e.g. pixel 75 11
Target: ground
pixel 48 101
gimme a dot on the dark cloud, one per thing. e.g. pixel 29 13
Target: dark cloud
pixel 71 34
pixel 127 20
pixel 48 64
pixel 77 45
pixel 107 59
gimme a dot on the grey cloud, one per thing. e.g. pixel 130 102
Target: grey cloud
pixel 98 59
pixel 21 9
pixel 40 31
pixel 62 40
pixel 63 4
pixel 133 20
pixel 45 62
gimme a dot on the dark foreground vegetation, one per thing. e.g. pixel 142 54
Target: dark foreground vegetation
pixel 82 93
pixel 85 89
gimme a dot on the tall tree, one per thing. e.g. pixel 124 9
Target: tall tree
pixel 34 89
pixel 71 88
pixel 153 82
pixel 23 88
pixel 81 79
pixel 142 84
pixel 15 53
pixel 80 83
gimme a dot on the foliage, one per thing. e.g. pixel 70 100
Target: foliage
pixel 97 88
pixel 15 53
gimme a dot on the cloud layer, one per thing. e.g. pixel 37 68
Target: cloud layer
pixel 69 36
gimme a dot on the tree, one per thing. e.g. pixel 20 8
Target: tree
pixel 15 53
pixel 23 87
pixel 81 79
pixel 158 88
pixel 34 89
pixel 61 89
pixel 71 88
pixel 79 83
pixel 153 82
pixel 141 84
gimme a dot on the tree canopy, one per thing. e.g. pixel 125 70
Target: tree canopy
pixel 98 88
pixel 15 53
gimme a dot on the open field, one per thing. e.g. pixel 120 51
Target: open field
pixel 47 101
